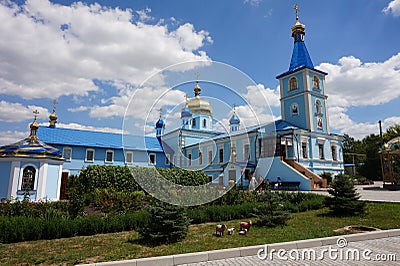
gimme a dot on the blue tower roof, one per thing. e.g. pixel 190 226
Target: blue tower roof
pixel 186 112
pixel 300 57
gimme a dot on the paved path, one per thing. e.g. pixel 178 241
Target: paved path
pixel 383 251
pixel 373 192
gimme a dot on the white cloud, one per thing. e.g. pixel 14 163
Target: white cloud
pixel 354 83
pixel 48 50
pixel 86 127
pixel 342 122
pixel 144 14
pixel 188 38
pixel 253 2
pixel 259 96
pixel 9 137
pixel 16 112
pixel 393 8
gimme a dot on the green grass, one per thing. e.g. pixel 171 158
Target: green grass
pixel 125 245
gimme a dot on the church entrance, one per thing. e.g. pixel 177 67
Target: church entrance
pixel 63 187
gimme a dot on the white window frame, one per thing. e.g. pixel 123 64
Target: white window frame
pixel 200 157
pixel 70 153
pixel 167 159
pixel 35 179
pixel 233 152
pixel 334 155
pixel 112 156
pixel 126 157
pixel 155 158
pixel 221 160
pixel 317 82
pixel 189 159
pixel 86 153
pixel 246 152
pixel 304 152
pixel 321 141
pixel 210 158
pixel 293 85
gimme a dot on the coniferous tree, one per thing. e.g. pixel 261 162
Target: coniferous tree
pixel 167 224
pixel 272 212
pixel 345 199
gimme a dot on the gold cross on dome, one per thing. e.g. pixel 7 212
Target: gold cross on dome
pixel 36 112
pixel 160 112
pixel 296 7
pixel 55 102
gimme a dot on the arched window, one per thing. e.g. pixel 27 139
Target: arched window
pixel 293 84
pixel 204 123
pixel 316 82
pixel 28 178
pixel 318 107
pixel 194 122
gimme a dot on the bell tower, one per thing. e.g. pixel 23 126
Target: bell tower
pixel 302 87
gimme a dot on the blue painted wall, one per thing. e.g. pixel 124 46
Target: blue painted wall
pixel 5 171
pixel 52 181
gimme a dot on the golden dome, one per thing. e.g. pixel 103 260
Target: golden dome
pixel 198 105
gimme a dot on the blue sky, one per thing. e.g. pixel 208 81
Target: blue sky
pixel 93 55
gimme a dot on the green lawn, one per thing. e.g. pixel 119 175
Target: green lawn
pixel 119 246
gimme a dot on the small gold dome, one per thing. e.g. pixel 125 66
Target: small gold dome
pixel 198 105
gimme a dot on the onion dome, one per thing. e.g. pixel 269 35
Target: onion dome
pixel 185 112
pixel 53 116
pixel 31 147
pixel 234 119
pixel 198 105
pixel 160 123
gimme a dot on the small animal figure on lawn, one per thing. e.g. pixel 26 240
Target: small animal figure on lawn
pixel 231 231
pixel 220 229
pixel 245 225
pixel 243 232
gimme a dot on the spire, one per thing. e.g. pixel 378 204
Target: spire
pixel 160 122
pixel 34 127
pixel 53 116
pixel 197 88
pixel 300 56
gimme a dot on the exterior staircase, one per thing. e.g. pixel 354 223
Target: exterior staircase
pixel 316 180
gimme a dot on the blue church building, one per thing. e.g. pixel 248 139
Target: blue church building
pixel 298 148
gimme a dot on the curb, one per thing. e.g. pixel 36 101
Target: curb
pixel 247 251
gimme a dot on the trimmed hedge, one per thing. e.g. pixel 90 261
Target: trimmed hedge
pixel 20 228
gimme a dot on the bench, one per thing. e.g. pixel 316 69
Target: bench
pixel 286 185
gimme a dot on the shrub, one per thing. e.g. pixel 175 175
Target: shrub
pixel 345 199
pixel 272 212
pixel 328 176
pixel 167 224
